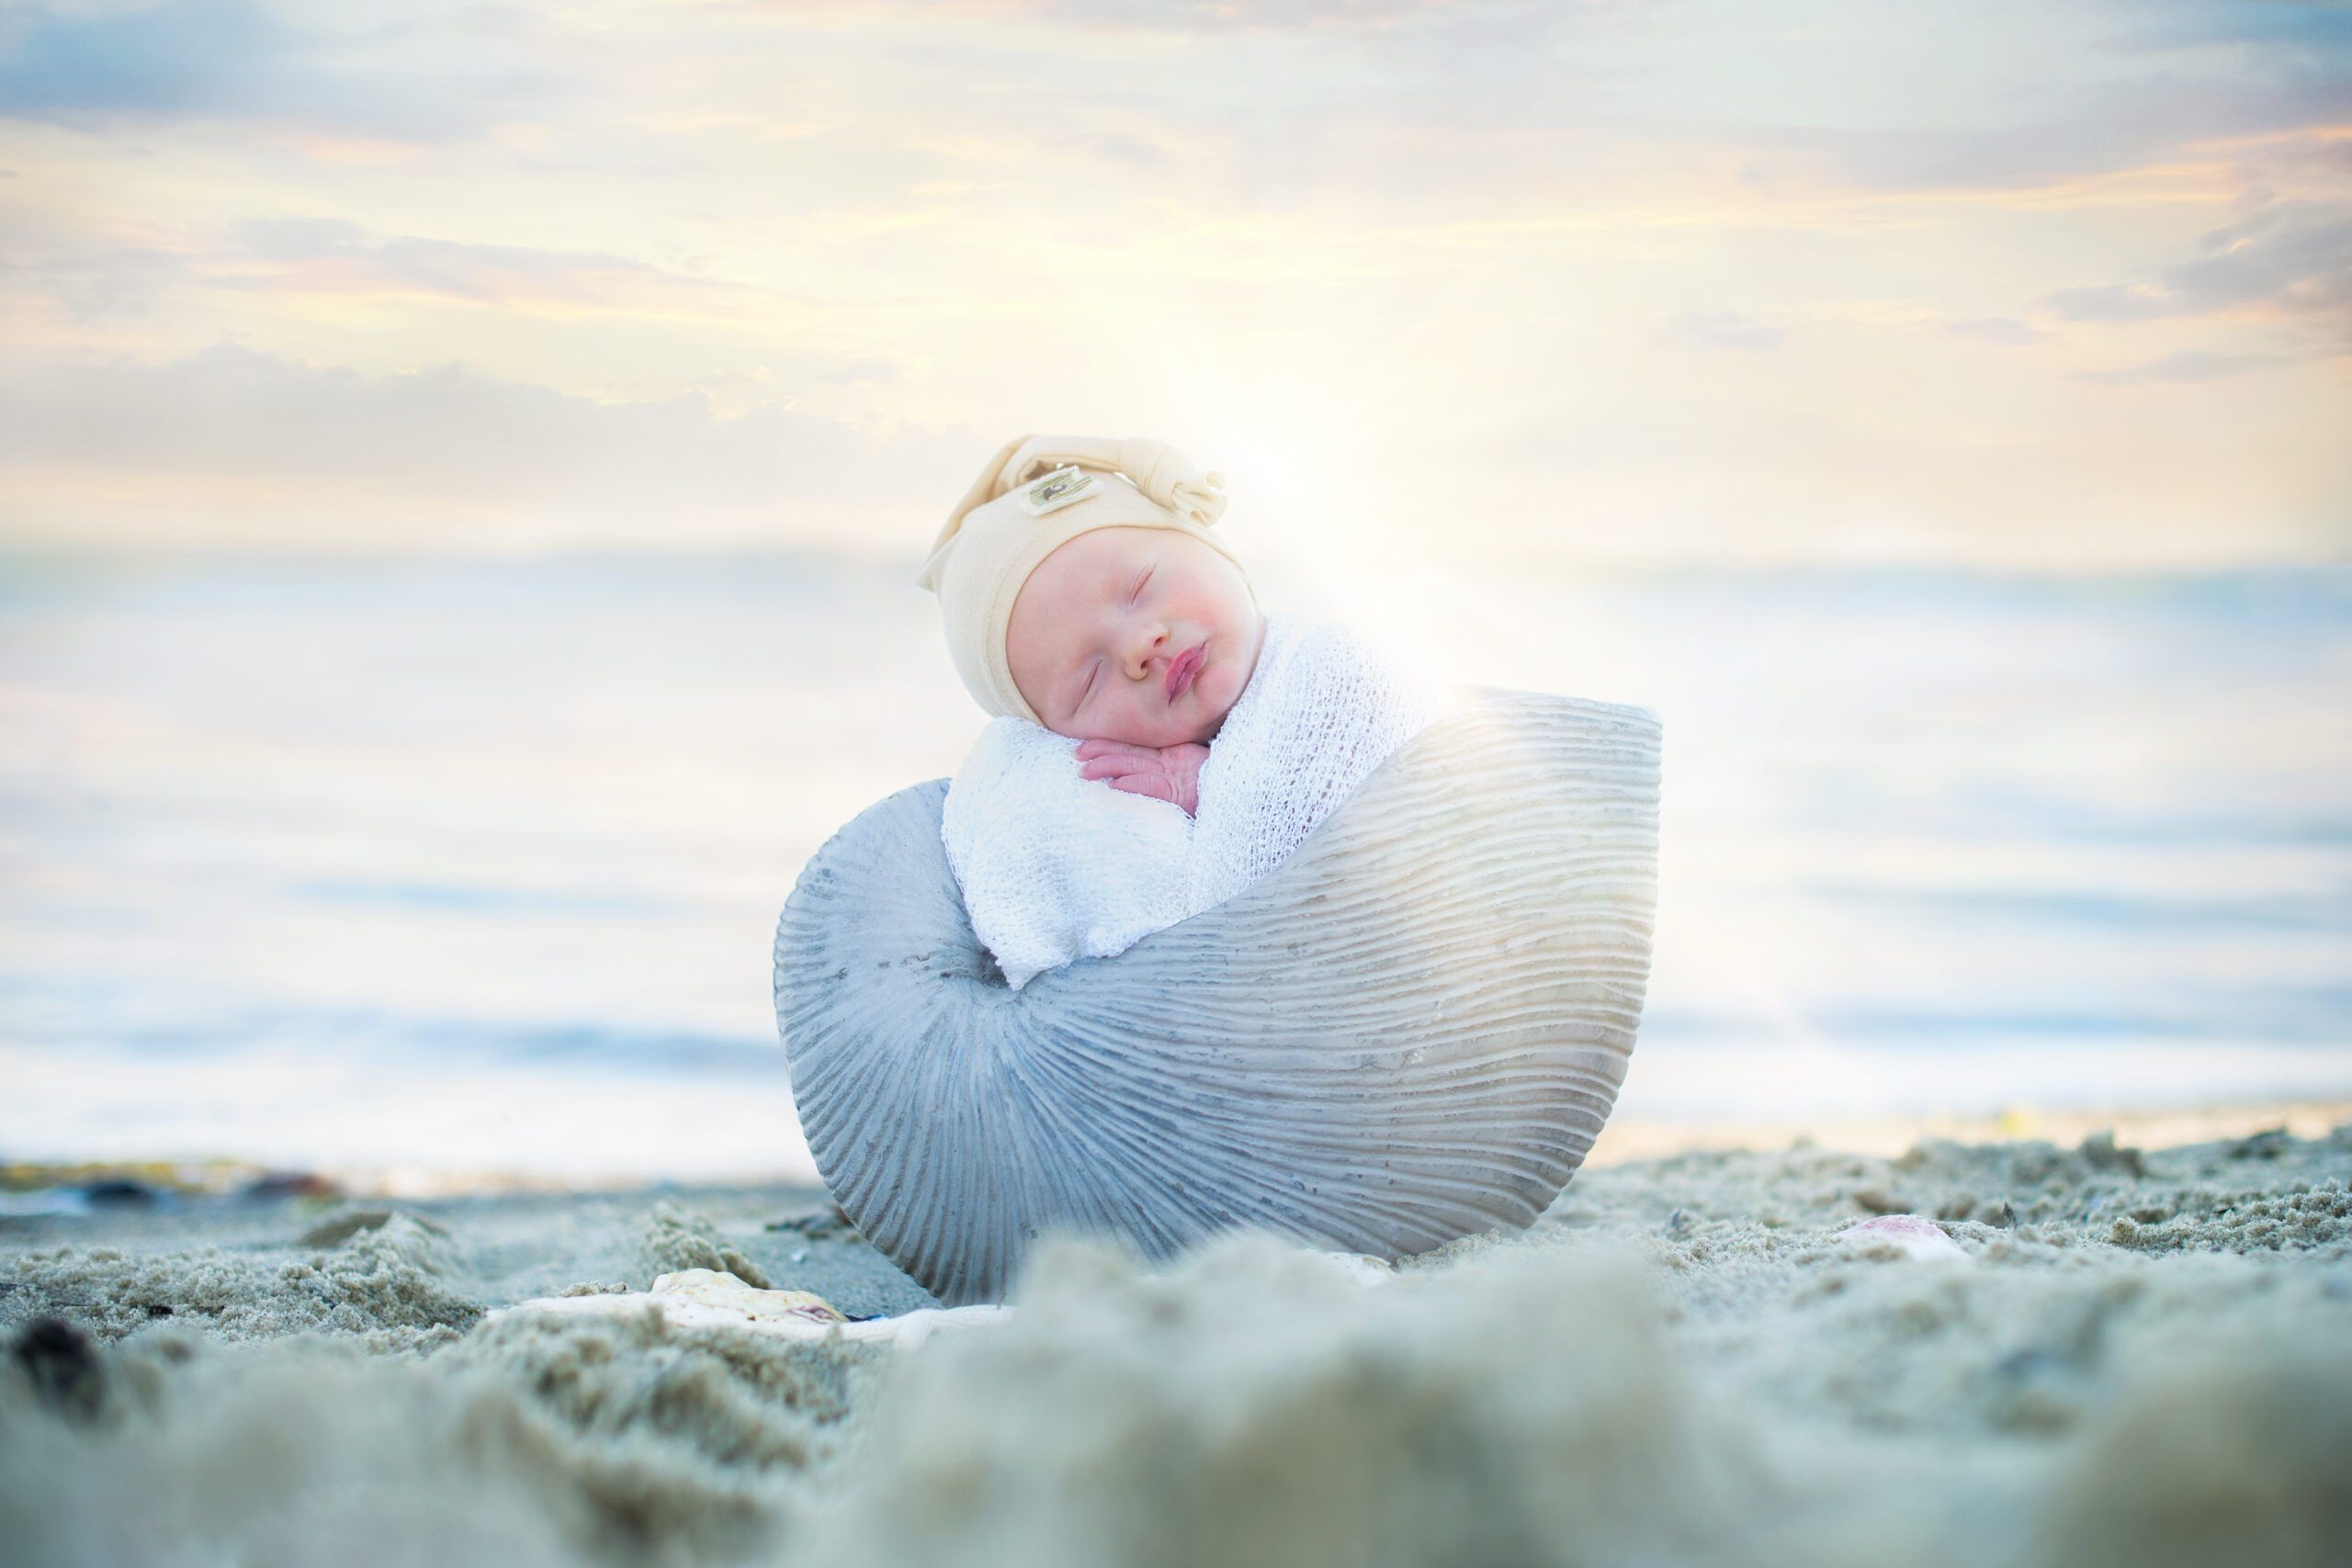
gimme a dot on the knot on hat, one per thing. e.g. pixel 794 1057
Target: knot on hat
pixel 1157 468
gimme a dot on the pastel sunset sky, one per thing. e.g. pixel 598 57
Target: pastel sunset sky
pixel 2060 285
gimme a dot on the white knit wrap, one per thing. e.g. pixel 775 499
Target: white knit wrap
pixel 1055 866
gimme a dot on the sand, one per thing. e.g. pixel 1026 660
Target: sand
pixel 2138 1355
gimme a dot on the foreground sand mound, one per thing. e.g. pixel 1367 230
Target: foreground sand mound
pixel 2135 1356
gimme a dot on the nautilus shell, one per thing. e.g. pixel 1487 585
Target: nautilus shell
pixel 1410 1030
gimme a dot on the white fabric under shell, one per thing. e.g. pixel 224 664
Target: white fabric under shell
pixel 1054 866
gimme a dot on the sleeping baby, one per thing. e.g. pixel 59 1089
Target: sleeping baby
pixel 1161 742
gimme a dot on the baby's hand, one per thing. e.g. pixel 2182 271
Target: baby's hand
pixel 1166 773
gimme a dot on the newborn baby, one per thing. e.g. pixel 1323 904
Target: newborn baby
pixel 1121 646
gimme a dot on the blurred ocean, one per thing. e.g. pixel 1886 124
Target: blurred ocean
pixel 423 862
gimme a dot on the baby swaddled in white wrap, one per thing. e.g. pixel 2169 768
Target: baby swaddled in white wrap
pixel 1056 866
pixel 1159 741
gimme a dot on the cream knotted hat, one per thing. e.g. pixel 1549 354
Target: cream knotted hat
pixel 1013 517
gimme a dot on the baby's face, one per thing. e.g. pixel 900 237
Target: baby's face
pixel 1140 635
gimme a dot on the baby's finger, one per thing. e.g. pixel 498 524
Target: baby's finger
pixel 1109 768
pixel 1089 749
pixel 1143 783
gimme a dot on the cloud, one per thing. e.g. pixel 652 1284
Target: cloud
pixel 862 370
pixel 1724 329
pixel 2294 257
pixel 2006 331
pixel 84 277
pixel 328 255
pixel 291 257
pixel 230 59
pixel 2186 365
pixel 1419 100
pixel 2096 91
pixel 337 456
pixel 1117 146
pixel 1228 16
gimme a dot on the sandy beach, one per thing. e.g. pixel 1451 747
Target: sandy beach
pixel 2131 1353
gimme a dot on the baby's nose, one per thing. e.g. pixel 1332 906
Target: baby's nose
pixel 1142 651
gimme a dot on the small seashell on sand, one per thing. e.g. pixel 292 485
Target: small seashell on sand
pixel 708 1298
pixel 1909 1234
pixel 1363 1267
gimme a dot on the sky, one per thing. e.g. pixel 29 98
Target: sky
pixel 2054 287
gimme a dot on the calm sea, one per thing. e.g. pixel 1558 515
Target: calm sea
pixel 418 864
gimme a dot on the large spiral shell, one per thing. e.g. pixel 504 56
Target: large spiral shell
pixel 1410 1030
